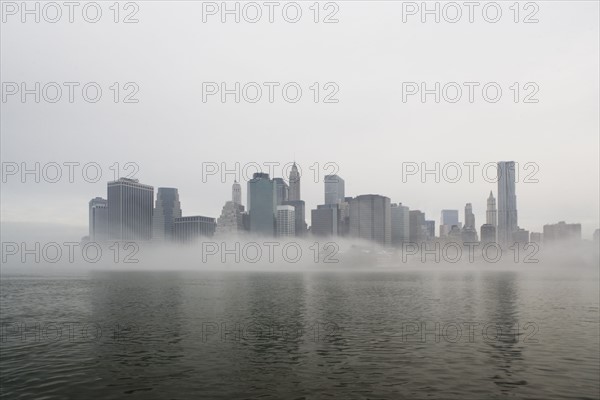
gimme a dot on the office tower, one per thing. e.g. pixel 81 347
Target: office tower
pixel 167 207
pixel 325 220
pixel 299 216
pixel 491 216
pixel 400 224
pixel 344 223
pixel 186 229
pixel 236 193
pixel 535 237
pixel 520 236
pixel 286 224
pixel 281 190
pixel 370 218
pixel 488 233
pixel 231 220
pixel 469 217
pixel 430 229
pixel 334 189
pixel 448 220
pixel 417 229
pixel 130 210
pixel 262 203
pixel 562 232
pixel 507 202
pixel 294 190
pixel 98 217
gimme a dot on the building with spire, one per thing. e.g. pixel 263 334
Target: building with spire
pixel 491 215
pixel 294 188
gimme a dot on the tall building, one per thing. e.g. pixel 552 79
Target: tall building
pixel 400 224
pixel 186 229
pixel 334 189
pixel 262 203
pixel 491 214
pixel 294 190
pixel 231 220
pixel 98 217
pixel 281 190
pixel 417 228
pixel 167 207
pixel 469 217
pixel 448 220
pixel 488 233
pixel 299 215
pixel 430 229
pixel 286 225
pixel 561 232
pixel 370 218
pixel 236 193
pixel 130 210
pixel 507 202
pixel 325 220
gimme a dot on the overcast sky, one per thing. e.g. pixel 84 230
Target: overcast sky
pixel 369 133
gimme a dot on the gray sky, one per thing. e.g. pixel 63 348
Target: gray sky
pixel 368 134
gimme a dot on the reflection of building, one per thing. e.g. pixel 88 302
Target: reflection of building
pixel 262 204
pixel 488 233
pixel 325 220
pixel 167 208
pixel 417 228
pixel 400 224
pixel 334 189
pixel 370 218
pixel 562 231
pixel 130 210
pixel 186 229
pixel 299 215
pixel 507 202
pixel 286 225
pixel 98 215
pixel 231 219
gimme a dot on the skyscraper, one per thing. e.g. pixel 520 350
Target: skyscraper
pixel 186 229
pixel 507 202
pixel 236 193
pixel 370 218
pixel 231 220
pixel 325 220
pixel 469 217
pixel 400 224
pixel 130 210
pixel 491 215
pixel 300 215
pixel 98 217
pixel 167 207
pixel 286 225
pixel 281 190
pixel 417 228
pixel 334 189
pixel 488 233
pixel 294 190
pixel 262 203
pixel 448 220
pixel 430 229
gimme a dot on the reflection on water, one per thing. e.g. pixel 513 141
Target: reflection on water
pixel 232 335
